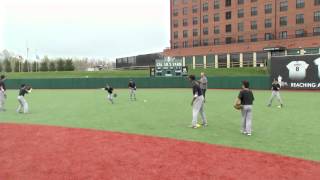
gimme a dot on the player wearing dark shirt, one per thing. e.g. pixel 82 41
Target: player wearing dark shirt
pixel 23 104
pixel 275 93
pixel 109 89
pixel 132 90
pixel 246 98
pixel 3 95
pixel 197 103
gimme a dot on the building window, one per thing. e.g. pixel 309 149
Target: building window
pixel 254 0
pixel 240 1
pixel 195 43
pixel 300 33
pixel 228 40
pixel 283 21
pixel 254 25
pixel 185 1
pixel 175 45
pixel 254 38
pixel 185 33
pixel 175 35
pixel 228 3
pixel 283 35
pixel 216 4
pixel 175 12
pixel 240 13
pixel 216 41
pixel 216 17
pixel 185 22
pixel 317 16
pixel 205 6
pixel 205 31
pixel 299 3
pixel 216 30
pixel 205 19
pixel 185 44
pixel 268 8
pixel 240 27
pixel 268 36
pixel 268 23
pixel 254 11
pixel 240 39
pixel 175 23
pixel 316 2
pixel 195 21
pixel 205 42
pixel 185 11
pixel 175 2
pixel 195 32
pixel 299 19
pixel 284 6
pixel 228 15
pixel 316 31
pixel 228 28
pixel 194 9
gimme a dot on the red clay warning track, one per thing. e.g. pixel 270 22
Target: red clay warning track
pixel 39 152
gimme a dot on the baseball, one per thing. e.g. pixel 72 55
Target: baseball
pixel 144 100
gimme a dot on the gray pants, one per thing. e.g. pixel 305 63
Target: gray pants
pixel 2 100
pixel 110 98
pixel 132 94
pixel 246 113
pixel 198 106
pixel 23 105
pixel 275 94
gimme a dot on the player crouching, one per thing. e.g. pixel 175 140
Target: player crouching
pixel 111 95
pixel 23 105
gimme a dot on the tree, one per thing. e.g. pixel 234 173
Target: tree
pixel 7 65
pixel 25 67
pixel 44 66
pixel 1 69
pixel 69 65
pixel 60 65
pixel 35 66
pixel 16 66
pixel 52 66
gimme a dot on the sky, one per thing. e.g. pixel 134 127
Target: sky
pixel 84 28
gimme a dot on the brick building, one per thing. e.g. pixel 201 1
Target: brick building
pixel 237 33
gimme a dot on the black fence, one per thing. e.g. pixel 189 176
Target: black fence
pixel 138 62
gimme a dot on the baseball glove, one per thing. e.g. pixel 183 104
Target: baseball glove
pixel 115 95
pixel 237 106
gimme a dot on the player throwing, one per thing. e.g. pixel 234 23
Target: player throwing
pixel 275 93
pixel 197 103
pixel 132 90
pixel 109 89
pixel 23 105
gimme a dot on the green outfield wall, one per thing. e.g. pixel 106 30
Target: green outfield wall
pixel 257 82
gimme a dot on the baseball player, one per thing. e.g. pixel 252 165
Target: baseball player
pixel 109 89
pixel 203 84
pixel 3 95
pixel 132 90
pixel 246 98
pixel 275 93
pixel 197 103
pixel 23 105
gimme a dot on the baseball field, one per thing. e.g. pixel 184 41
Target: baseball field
pixel 149 138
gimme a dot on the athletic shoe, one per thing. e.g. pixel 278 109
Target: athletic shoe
pixel 204 125
pixel 248 134
pixel 194 127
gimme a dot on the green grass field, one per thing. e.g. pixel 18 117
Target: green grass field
pixel 136 73
pixel 292 131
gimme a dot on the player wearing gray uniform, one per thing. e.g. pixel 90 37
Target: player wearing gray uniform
pixel 23 105
pixel 275 93
pixel 203 84
pixel 3 95
pixel 246 98
pixel 109 89
pixel 132 90
pixel 197 103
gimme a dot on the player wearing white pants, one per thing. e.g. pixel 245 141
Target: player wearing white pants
pixel 275 93
pixel 23 105
pixel 109 89
pixel 132 90
pixel 197 103
pixel 2 93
